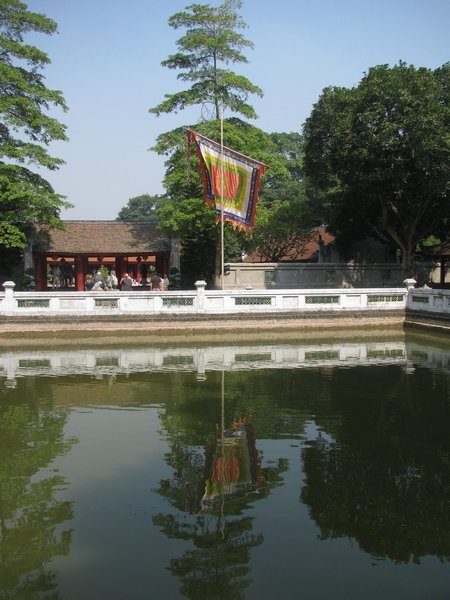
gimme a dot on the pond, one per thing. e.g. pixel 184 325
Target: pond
pixel 308 469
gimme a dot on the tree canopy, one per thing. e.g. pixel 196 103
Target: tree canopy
pixel 377 156
pixel 211 42
pixel 140 208
pixel 184 213
pixel 284 222
pixel 26 130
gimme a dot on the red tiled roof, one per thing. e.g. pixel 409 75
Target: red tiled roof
pixel 108 237
pixel 309 252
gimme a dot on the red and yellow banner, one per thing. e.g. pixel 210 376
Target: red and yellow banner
pixel 237 195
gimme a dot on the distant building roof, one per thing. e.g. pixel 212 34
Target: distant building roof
pixel 310 251
pixel 108 238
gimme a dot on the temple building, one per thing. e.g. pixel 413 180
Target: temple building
pixel 82 247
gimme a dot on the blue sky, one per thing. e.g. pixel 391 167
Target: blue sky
pixel 107 57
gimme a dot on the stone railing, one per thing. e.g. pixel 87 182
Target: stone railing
pixel 199 301
pixel 428 300
pixel 325 275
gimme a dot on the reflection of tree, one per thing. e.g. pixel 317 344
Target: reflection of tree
pixel 190 418
pixel 31 436
pixel 215 566
pixel 384 478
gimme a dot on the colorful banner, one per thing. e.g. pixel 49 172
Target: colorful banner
pixel 232 465
pixel 241 181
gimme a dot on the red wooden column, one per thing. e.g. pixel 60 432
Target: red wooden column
pixel 80 272
pixel 121 267
pixel 165 269
pixel 40 272
pixel 159 264
pixel 138 269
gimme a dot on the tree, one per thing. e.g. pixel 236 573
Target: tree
pixel 185 215
pixel 283 230
pixel 377 157
pixel 26 129
pixel 284 223
pixel 211 40
pixel 140 208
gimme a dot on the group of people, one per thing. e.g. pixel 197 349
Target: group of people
pixel 100 282
pixel 62 275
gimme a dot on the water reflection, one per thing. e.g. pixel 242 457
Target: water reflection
pixel 197 467
pixel 380 474
pixel 31 515
pixel 114 361
pixel 232 464
pixel 219 485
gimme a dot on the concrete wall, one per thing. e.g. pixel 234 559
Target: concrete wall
pixel 324 275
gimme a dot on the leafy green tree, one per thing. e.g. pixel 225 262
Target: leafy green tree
pixel 140 208
pixel 184 213
pixel 283 230
pixel 284 222
pixel 26 129
pixel 376 157
pixel 212 41
pixel 289 146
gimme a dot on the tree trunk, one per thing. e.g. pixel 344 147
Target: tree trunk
pixel 407 258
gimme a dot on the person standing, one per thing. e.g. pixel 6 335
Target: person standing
pixel 156 282
pixel 126 283
pixel 114 280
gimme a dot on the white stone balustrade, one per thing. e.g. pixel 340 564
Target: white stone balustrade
pixel 203 301
pixel 429 300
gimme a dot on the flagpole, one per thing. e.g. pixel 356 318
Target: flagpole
pixel 222 250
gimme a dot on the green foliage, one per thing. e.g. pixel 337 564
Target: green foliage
pixel 285 220
pixel 377 156
pixel 140 208
pixel 33 517
pixel 211 40
pixel 381 478
pixel 289 146
pixel 283 230
pixel 183 212
pixel 25 199
pixel 25 127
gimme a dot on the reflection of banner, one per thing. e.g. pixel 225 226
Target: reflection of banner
pixel 234 468
pixel 241 181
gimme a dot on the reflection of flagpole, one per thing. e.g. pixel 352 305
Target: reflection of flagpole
pixel 222 251
pixel 222 441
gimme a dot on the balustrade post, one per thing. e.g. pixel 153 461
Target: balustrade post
pixel 409 282
pixel 200 285
pixel 9 302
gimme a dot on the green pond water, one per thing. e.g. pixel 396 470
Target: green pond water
pixel 312 470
